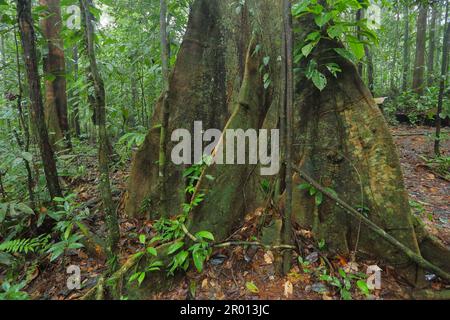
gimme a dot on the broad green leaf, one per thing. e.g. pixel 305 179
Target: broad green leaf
pixel 175 247
pixel 304 186
pixel 152 251
pixel 198 260
pixel 306 50
pixel 345 54
pixel 362 285
pixel 205 235
pixel 319 80
pixel 141 278
pixel 356 47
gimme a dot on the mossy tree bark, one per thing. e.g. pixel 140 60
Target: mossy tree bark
pixel 344 140
pixel 55 76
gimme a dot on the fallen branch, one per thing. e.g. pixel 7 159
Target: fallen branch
pixel 254 243
pixel 349 209
pixel 409 134
pixel 431 295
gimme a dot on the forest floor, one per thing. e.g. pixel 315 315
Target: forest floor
pixel 239 273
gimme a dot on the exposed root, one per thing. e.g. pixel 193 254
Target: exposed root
pixel 420 261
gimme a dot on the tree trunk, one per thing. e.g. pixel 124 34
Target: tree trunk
pixel 98 100
pixel 76 103
pixel 55 73
pixel 406 55
pixel 419 64
pixel 432 46
pixel 370 69
pixel 442 82
pixel 393 82
pixel 288 73
pixel 25 21
pixel 344 140
pixel 165 107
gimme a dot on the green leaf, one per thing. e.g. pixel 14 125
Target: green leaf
pixel 346 295
pixel 322 19
pixel 300 7
pixel 141 278
pixel 175 247
pixel 152 251
pixel 266 61
pixel 335 31
pixel 252 287
pixel 313 36
pixel 319 198
pixel 142 238
pixel 205 235
pixel 24 208
pixel 198 260
pixel 306 50
pixel 345 54
pixel 304 186
pixel 134 276
pixel 319 80
pixel 356 47
pixel 362 285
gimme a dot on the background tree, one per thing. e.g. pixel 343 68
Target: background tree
pixel 419 62
pixel 26 26
pixel 55 74
pixel 99 105
pixel 442 82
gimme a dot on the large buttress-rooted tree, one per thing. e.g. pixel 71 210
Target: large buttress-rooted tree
pixel 55 75
pixel 344 140
pixel 26 27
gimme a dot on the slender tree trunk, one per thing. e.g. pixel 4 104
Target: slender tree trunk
pixel 370 69
pixel 99 105
pixel 288 104
pixel 442 82
pixel 395 56
pixel 432 46
pixel 55 72
pixel 165 107
pixel 24 125
pixel 3 63
pixel 76 103
pixel 37 111
pixel 359 17
pixel 406 57
pixel 419 64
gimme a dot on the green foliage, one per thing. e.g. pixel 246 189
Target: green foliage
pixel 345 281
pixel 420 210
pixel 417 108
pixel 35 245
pixel 174 230
pixel 313 192
pixel 13 292
pixel 331 23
